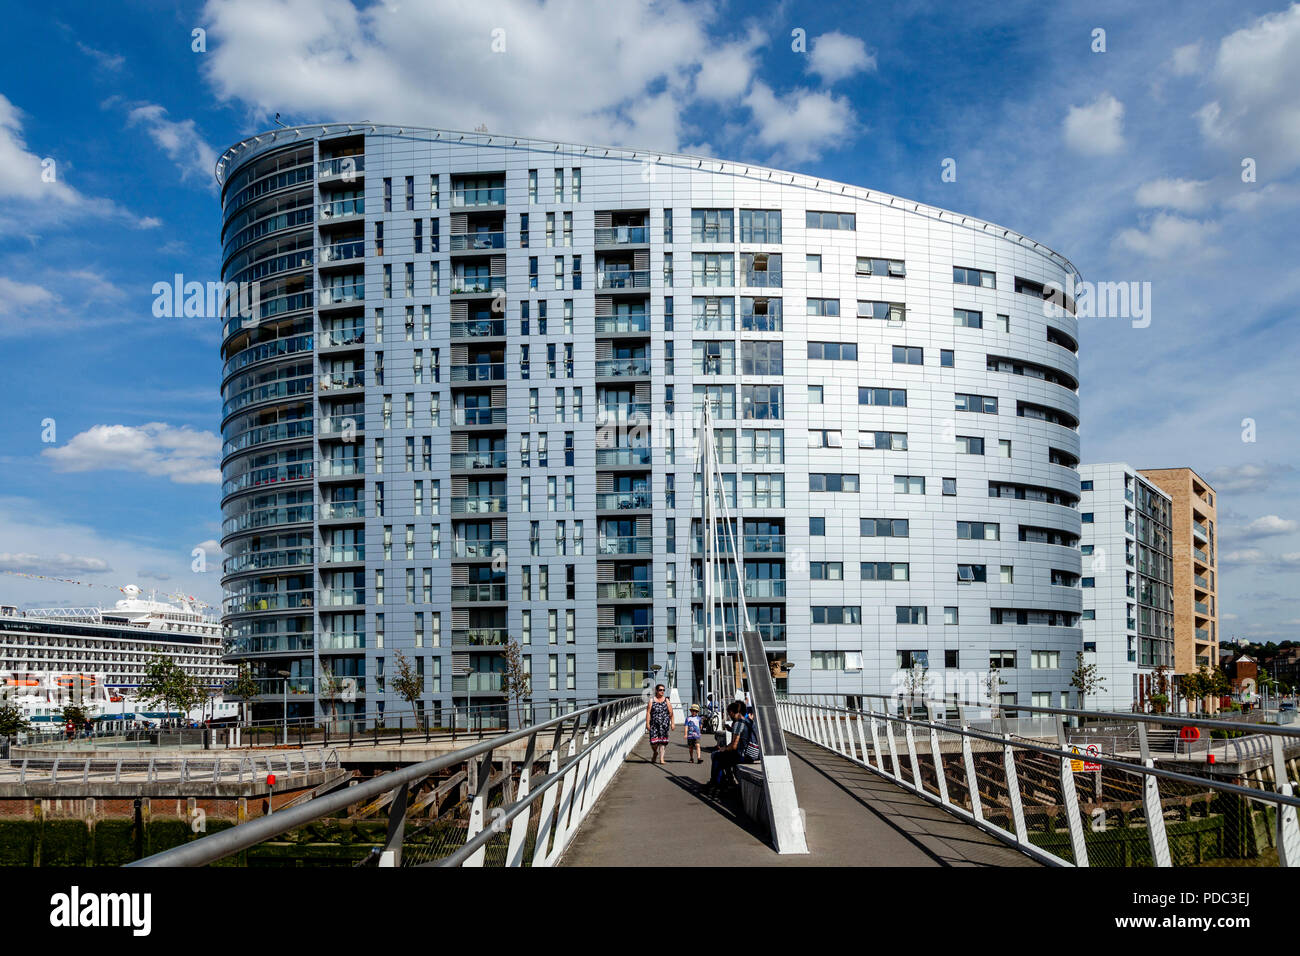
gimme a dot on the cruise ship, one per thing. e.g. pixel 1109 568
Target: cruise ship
pixel 49 656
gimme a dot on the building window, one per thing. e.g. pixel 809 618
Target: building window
pixel 979 278
pixel 830 220
pixel 910 614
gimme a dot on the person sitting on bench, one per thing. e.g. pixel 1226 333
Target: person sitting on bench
pixel 744 741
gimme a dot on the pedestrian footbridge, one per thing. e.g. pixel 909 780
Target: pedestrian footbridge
pixel 857 781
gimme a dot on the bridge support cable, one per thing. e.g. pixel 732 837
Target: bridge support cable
pixel 723 568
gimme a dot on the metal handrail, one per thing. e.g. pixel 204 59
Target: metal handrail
pixel 224 843
pixel 822 723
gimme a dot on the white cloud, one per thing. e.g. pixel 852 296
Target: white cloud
pixel 183 455
pixel 180 140
pixel 35 194
pixel 15 296
pixel 36 539
pixel 725 75
pixel 837 55
pixel 52 564
pixel 801 125
pixel 109 61
pixel 1243 556
pixel 1185 195
pixel 1256 74
pixel 1266 197
pixel 1096 129
pixel 1168 236
pixel 1243 479
pixel 1270 525
pixel 1185 60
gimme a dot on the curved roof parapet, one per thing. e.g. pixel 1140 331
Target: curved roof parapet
pixel 253 145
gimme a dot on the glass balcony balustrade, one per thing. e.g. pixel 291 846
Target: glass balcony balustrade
pixel 624 591
pixel 471 593
pixel 624 500
pixel 622 235
pixel 624 545
pixel 478 460
pixel 625 634
pixel 616 368
pixel 477 241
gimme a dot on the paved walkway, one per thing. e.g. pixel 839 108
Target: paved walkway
pixel 655 816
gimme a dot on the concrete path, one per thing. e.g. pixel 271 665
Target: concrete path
pixel 655 816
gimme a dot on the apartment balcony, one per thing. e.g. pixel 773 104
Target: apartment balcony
pixel 622 414
pixel 617 236
pixel 754 588
pixel 479 329
pixel 622 634
pixel 623 368
pixel 479 682
pixel 623 457
pixel 761 278
pixel 479 372
pixel 622 680
pixel 478 198
pixel 341 425
pixel 1202 609
pixel 478 460
pixel 489 637
pixel 624 591
pixel 625 545
pixel 343 468
pixel 1201 556
pixel 342 511
pixel 1128 495
pixel 329 297
pixel 756 322
pixel 343 381
pixel 354 337
pixel 1201 581
pixel 1202 634
pixel 267 560
pixel 477 285
pixel 629 324
pixel 467 417
pixel 341 253
pixel 1200 531
pixel 624 501
pixel 750 543
pixel 342 641
pixel 477 549
pixel 478 593
pixel 343 554
pixel 343 597
pixel 477 241
pixel 478 505
pixel 771 634
pixel 341 167
pixel 623 280
pixel 342 210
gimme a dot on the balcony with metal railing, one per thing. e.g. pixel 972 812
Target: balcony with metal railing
pixel 478 416
pixel 343 554
pixel 340 381
pixel 622 236
pixel 345 167
pixel 626 324
pixel 479 682
pixel 623 367
pixel 754 588
pixel 625 634
pixel 342 641
pixel 624 591
pixel 632 544
pixel 342 510
pixel 477 284
pixel 477 549
pixel 479 372
pixel 477 198
pixel 342 467
pixel 490 637
pixel 622 680
pixel 477 241
pixel 623 280
pixel 340 253
pixel 478 460
pixel 624 501
pixel 342 597
pixel 622 457
pixel 342 210
pixel 478 593
pixel 478 504
pixel 478 329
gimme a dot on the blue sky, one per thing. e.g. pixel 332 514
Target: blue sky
pixel 1128 161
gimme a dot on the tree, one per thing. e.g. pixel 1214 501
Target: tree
pixel 1159 696
pixel 1086 679
pixel 169 684
pixel 12 721
pixel 517 681
pixel 74 713
pixel 1196 686
pixel 409 684
pixel 244 686
pixel 916 683
pixel 992 681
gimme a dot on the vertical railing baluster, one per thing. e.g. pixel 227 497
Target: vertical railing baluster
pixel 1155 816
pixel 1074 824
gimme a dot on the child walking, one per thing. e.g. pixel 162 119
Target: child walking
pixel 693 736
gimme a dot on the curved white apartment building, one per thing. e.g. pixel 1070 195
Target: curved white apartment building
pixel 460 413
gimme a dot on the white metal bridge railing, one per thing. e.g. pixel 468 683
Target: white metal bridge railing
pixel 1059 801
pixel 486 804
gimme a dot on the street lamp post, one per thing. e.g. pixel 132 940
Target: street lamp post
pixel 284 676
